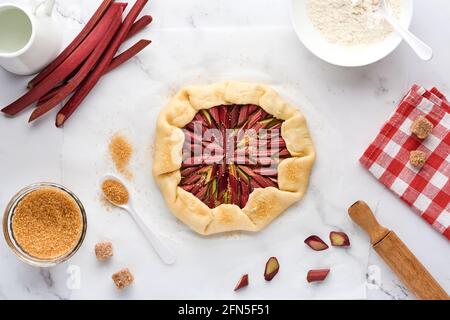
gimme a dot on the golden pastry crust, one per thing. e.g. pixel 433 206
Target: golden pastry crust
pixel 264 205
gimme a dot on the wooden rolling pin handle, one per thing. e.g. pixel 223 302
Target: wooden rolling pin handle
pixel 397 255
pixel 363 216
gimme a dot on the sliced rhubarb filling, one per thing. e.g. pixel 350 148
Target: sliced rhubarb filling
pixel 229 151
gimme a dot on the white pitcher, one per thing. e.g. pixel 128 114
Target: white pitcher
pixel 29 39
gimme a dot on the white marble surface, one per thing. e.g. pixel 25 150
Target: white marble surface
pixel 355 101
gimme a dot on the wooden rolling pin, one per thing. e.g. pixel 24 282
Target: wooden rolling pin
pixel 397 255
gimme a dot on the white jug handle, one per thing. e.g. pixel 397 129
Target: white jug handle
pixel 43 8
pixel 48 7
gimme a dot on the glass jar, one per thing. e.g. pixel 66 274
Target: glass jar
pixel 9 234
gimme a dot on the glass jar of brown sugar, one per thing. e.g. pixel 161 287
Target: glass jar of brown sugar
pixel 44 224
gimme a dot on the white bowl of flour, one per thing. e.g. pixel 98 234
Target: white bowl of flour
pixel 348 33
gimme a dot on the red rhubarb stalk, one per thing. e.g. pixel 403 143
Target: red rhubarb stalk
pixel 67 89
pixel 116 62
pixel 99 70
pixel 139 26
pixel 50 94
pixel 128 54
pixel 73 45
pixel 62 71
pixel 121 58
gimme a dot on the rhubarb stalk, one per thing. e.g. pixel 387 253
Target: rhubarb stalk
pixel 50 94
pixel 73 45
pixel 128 54
pixel 139 25
pixel 99 70
pixel 77 57
pixel 116 62
pixel 83 72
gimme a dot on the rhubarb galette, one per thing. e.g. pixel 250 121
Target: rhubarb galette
pixel 231 156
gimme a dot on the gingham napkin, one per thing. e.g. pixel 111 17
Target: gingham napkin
pixel 426 190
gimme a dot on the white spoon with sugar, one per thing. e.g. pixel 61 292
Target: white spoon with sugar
pixel 117 193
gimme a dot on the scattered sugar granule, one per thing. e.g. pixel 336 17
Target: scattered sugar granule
pixel 103 250
pixel 123 278
pixel 422 127
pixel 121 150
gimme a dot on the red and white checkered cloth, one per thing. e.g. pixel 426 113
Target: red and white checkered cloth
pixel 426 190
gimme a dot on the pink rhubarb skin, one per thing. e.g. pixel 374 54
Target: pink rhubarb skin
pixel 77 57
pixel 317 275
pixel 128 54
pixel 85 69
pixel 116 62
pixel 100 69
pixel 73 45
pixel 139 25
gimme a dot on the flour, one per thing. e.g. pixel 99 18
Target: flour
pixel 351 22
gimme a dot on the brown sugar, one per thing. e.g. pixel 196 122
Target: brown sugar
pixel 103 250
pixel 115 192
pixel 421 127
pixel 121 151
pixel 47 223
pixel 123 278
pixel 417 158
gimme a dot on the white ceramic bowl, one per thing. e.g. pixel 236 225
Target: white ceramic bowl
pixel 347 56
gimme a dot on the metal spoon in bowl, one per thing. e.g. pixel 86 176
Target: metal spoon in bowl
pixel 166 254
pixel 422 50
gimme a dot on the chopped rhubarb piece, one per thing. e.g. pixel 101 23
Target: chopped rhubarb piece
pixel 188 188
pixel 73 45
pixel 78 56
pixel 194 178
pixel 266 171
pixel 188 171
pixel 234 184
pixel 252 108
pixel 245 192
pixel 206 117
pixel 243 113
pixel 243 282
pixel 242 159
pixel 339 239
pixel 254 118
pixel 284 153
pixel 83 72
pixel 196 188
pixel 201 193
pixel 102 66
pixel 272 268
pixel 316 243
pixel 317 275
pixel 214 112
pixel 263 182
pixel 276 126
pixel 234 117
